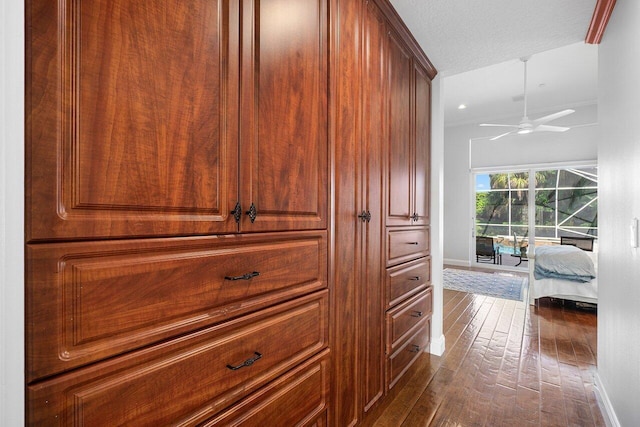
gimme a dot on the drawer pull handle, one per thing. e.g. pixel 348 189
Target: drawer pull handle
pixel 415 349
pixel 415 278
pixel 247 362
pixel 413 243
pixel 415 216
pixel 417 314
pixel 247 276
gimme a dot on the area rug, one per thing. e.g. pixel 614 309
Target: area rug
pixel 499 285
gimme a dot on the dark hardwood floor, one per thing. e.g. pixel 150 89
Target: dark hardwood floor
pixel 506 364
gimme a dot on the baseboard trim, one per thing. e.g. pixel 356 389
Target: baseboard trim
pixel 457 262
pixel 604 403
pixel 437 346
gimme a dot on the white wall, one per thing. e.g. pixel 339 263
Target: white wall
pixel 437 191
pixel 619 202
pixel 11 213
pixel 579 143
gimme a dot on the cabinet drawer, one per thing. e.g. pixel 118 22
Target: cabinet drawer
pixel 400 361
pixel 405 245
pixel 190 378
pixel 88 301
pixel 406 280
pixel 298 398
pixel 403 320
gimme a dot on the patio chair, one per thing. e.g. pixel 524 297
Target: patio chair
pixel 517 251
pixel 486 250
pixel 584 243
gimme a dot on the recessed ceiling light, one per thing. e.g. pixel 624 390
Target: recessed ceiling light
pixel 461 107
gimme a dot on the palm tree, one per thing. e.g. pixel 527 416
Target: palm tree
pixel 518 181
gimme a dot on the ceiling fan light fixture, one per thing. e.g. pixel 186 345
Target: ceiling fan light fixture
pixel 526 125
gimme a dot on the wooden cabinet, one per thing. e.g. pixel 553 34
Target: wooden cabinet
pixel 369 163
pixel 87 301
pixel 284 117
pixel 422 146
pixel 177 195
pixel 376 197
pixel 188 379
pixel 123 138
pixel 399 148
pixel 157 118
pixel 214 190
pixel 409 135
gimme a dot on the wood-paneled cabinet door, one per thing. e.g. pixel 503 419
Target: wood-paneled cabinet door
pixel 284 115
pixel 400 160
pixel 422 168
pixel 373 135
pixel 132 113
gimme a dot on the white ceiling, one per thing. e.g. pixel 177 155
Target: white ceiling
pixel 476 46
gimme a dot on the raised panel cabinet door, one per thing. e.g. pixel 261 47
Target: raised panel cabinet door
pixel 131 113
pixel 400 155
pixel 284 115
pixel 422 118
pixel 373 132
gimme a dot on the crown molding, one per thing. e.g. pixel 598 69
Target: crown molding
pixel 599 20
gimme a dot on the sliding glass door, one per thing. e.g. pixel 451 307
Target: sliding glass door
pixel 502 213
pixel 565 203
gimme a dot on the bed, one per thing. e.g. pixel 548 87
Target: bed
pixel 568 271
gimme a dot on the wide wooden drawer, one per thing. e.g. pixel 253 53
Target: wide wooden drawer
pixel 407 279
pixel 190 379
pixel 298 398
pixel 89 301
pixel 405 245
pixel 400 361
pixel 404 319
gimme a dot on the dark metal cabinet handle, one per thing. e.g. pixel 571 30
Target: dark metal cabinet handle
pixel 415 278
pixel 365 216
pixel 247 362
pixel 414 348
pixel 252 212
pixel 237 212
pixel 417 314
pixel 247 276
pixel 413 243
pixel 415 217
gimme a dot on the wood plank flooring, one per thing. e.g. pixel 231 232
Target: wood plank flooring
pixel 506 364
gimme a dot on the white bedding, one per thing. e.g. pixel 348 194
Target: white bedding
pixel 565 289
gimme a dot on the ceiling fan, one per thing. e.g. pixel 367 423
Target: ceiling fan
pixel 527 125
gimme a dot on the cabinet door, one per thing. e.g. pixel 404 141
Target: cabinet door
pixel 399 157
pixel 131 118
pixel 284 118
pixel 422 118
pixel 373 135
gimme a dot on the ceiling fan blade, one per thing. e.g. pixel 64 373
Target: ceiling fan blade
pixel 553 116
pixel 548 128
pixel 505 126
pixel 500 136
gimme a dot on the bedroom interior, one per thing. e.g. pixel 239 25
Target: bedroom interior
pixel 466 331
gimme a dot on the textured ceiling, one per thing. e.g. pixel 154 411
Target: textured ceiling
pixel 560 78
pixel 476 46
pixel 463 35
